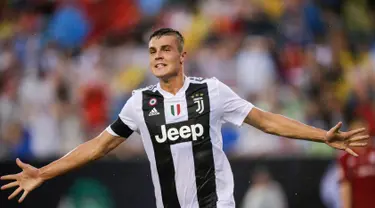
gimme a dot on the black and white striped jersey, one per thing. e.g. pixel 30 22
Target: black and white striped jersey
pixel 181 134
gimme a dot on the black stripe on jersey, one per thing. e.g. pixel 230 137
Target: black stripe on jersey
pixel 163 154
pixel 121 129
pixel 198 103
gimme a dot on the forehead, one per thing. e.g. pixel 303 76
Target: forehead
pixel 157 42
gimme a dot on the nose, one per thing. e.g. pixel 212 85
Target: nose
pixel 159 56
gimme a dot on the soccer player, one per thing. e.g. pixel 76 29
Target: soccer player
pixel 357 177
pixel 179 120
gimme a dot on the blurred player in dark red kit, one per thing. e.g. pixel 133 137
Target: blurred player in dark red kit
pixel 357 176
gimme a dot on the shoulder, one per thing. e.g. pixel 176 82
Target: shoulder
pixel 197 79
pixel 213 83
pixel 150 88
pixel 202 80
pixel 137 94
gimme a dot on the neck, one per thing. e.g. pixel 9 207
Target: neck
pixel 173 84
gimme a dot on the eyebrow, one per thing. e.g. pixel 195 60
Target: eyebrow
pixel 163 46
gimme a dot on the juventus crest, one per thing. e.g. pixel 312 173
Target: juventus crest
pixel 198 99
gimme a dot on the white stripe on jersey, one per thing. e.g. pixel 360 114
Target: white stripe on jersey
pixel 182 155
pixel 183 160
pixel 223 171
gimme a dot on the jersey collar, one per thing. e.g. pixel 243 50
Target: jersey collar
pixel 181 91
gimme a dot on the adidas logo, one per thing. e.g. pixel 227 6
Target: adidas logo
pixel 153 112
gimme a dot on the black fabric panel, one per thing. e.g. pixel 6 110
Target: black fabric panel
pixel 121 129
pixel 163 155
pixel 198 103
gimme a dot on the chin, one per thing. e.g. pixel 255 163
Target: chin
pixel 163 75
pixel 160 75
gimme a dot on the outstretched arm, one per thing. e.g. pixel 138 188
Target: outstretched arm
pixel 282 126
pixel 84 153
pixel 31 177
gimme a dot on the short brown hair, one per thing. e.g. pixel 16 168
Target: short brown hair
pixel 169 31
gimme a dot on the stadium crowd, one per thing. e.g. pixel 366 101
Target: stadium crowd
pixel 67 67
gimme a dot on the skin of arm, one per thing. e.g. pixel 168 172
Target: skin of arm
pixel 30 177
pixel 89 151
pixel 282 126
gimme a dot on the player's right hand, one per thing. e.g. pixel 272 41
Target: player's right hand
pixel 27 180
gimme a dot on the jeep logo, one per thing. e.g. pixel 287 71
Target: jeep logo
pixel 194 131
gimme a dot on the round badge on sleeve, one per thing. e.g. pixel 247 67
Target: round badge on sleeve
pixel 152 102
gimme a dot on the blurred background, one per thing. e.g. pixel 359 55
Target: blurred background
pixel 68 66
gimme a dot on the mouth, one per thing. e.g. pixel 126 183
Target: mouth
pixel 160 65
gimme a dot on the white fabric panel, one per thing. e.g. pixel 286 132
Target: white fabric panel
pixel 223 171
pixel 183 160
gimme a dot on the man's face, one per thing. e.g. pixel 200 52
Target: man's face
pixel 165 58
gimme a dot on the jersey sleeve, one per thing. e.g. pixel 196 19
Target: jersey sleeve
pixel 125 124
pixel 235 109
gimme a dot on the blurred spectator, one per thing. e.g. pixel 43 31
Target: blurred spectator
pixel 357 175
pixel 7 56
pixel 328 187
pixel 256 71
pixel 38 114
pixel 15 141
pixel 150 8
pixel 264 192
pixel 109 17
pixel 218 60
pixel 68 26
pixel 255 143
pixel 293 24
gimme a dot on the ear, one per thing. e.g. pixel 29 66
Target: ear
pixel 182 57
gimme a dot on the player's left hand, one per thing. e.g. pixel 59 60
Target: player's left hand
pixel 345 140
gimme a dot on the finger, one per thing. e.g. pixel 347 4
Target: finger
pixel 350 151
pixel 23 196
pixel 15 193
pixel 9 177
pixel 9 185
pixel 358 144
pixel 20 163
pixel 359 138
pixel 336 128
pixel 357 131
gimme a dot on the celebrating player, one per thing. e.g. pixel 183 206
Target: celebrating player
pixel 180 121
